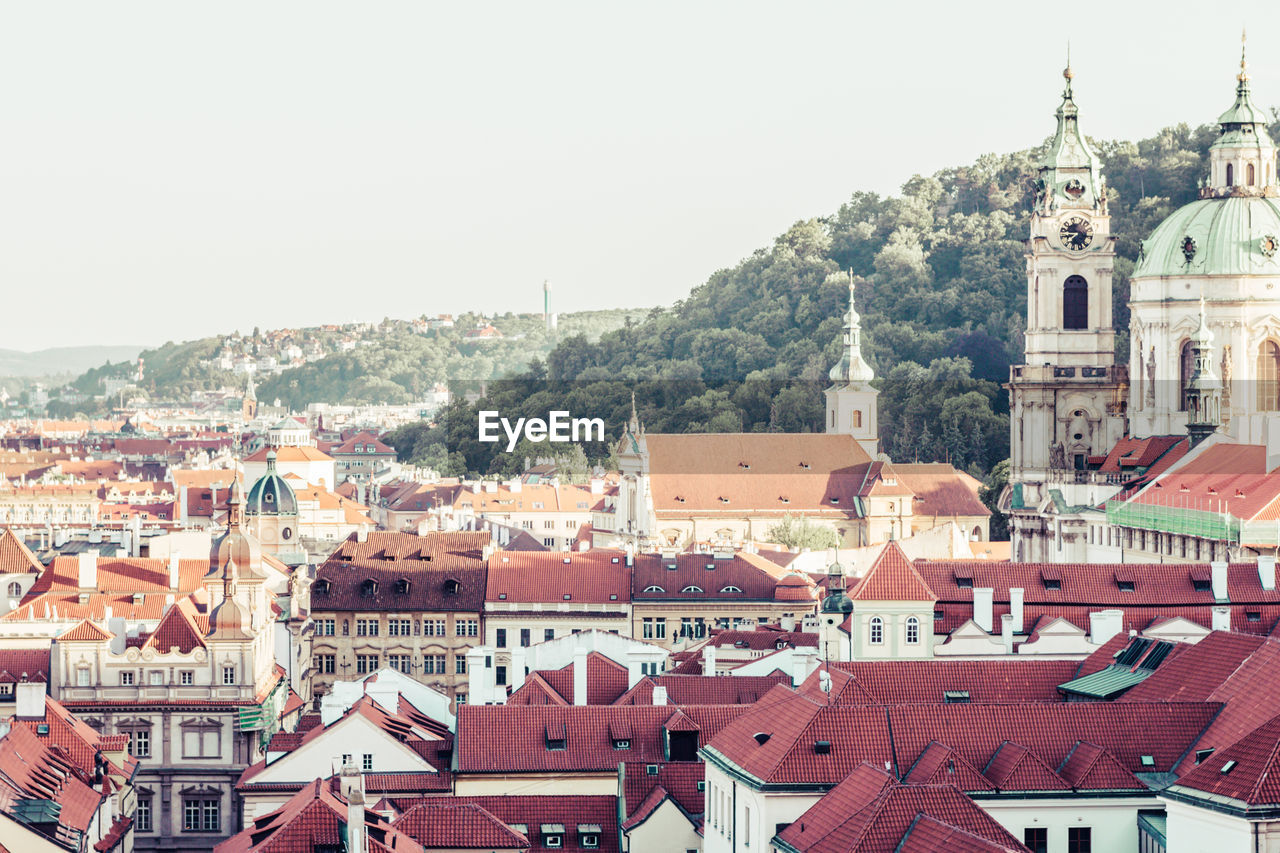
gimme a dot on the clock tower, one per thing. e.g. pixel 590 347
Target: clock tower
pixel 1067 397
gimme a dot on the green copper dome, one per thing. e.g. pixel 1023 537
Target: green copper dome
pixel 271 495
pixel 1228 237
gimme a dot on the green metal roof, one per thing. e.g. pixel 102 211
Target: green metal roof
pixel 1228 236
pixel 1106 683
pixel 1154 824
pixel 1243 111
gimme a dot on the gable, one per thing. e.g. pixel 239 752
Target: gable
pixel 355 734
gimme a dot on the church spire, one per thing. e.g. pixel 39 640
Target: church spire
pixel 1070 173
pixel 1203 396
pixel 1242 158
pixel 852 368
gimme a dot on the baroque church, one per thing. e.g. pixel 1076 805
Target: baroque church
pixel 1204 331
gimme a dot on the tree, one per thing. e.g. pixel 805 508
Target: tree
pixel 800 534
pixel 990 493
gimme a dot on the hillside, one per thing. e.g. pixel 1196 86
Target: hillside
pixel 941 289
pixel 62 360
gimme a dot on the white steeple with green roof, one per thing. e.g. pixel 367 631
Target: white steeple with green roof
pixel 1070 173
pixel 851 400
pixel 1242 161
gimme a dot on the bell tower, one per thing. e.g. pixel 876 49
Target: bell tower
pixel 1067 398
pixel 851 400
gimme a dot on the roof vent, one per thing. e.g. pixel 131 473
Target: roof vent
pixel 1228 767
pixel 566 561
pixel 651 770
pixel 1148 761
pixel 822 747
pixel 762 737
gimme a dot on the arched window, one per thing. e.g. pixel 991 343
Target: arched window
pixel 1075 303
pixel 1186 366
pixel 1231 182
pixel 1269 377
pixel 876 631
pixel 730 589
pixel 857 419
pixel 654 588
pixel 1249 174
pixel 15 590
pixel 913 631
pixel 692 588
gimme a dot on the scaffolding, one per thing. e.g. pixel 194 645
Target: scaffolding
pixel 1181 521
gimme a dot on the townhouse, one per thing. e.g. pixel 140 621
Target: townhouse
pixel 411 603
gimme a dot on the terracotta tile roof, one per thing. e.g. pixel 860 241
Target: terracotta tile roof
pixel 675 779
pixel 15 557
pixel 929 835
pixel 516 739
pixel 18 665
pixel 314 817
pixel 894 682
pixel 86 631
pixel 1246 772
pixel 534 812
pixel 201 479
pixel 429 563
pixel 761 639
pixel 939 764
pixel 119 828
pixel 1089 767
pixel 868 812
pixel 291 454
pixel 706 577
pixel 1016 768
pixel 529 498
pixel 447 824
pixel 178 629
pixel 606 680
pixel 363 439
pixel 892 578
pixel 596 577
pixel 536 691
pixel 31 769
pixel 1135 455
pixel 940 490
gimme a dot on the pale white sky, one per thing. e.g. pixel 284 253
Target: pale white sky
pixel 172 170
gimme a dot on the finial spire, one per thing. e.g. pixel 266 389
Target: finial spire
pixel 1243 76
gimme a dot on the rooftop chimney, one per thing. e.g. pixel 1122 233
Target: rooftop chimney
pixel 580 676
pixel 174 564
pixel 88 569
pixel 1267 572
pixel 1218 578
pixel 709 659
pixel 30 700
pixel 1105 624
pixel 1015 609
pixel 353 790
pixel 659 694
pixel 1006 632
pixel 1221 619
pixel 983 600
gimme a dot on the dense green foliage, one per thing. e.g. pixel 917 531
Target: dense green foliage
pixel 941 287
pixel 801 534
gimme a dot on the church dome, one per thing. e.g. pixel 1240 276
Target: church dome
pixel 271 494
pixel 1235 235
pixel 235 544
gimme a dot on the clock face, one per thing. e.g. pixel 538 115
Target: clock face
pixel 1076 233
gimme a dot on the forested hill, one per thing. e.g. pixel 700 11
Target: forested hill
pixel 941 290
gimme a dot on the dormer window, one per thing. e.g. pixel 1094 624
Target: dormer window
pixel 654 588
pixel 402 586
pixel 451 587
pixel 692 588
pixel 1052 584
pixel 964 583
pixel 730 589
pixel 369 587
pixel 553 835
pixel 589 836
pixel 556 737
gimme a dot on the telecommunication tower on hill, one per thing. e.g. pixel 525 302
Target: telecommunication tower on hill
pixel 547 316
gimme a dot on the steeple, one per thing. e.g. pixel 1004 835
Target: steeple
pixel 1242 160
pixel 1070 173
pixel 852 368
pixel 1203 395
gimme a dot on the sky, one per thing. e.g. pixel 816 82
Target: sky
pixel 175 170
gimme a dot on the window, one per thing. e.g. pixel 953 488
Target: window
pixel 548 634
pixel 525 639
pixel 324 664
pixel 155 678
pixel 366 664
pixel 201 739
pixel 1075 303
pixel 366 762
pixel 731 589
pixel 186 677
pixel 399 627
pixel 1036 838
pixel 434 665
pixel 1231 175
pixel 1186 367
pixel 82 676
pixel 15 590
pixel 913 631
pixel 1079 838
pixel 228 675
pixel 1249 174
pixel 366 627
pixel 654 588
pixel 857 419
pixel 646 629
pixel 126 679
pixel 140 743
pixel 400 663
pixel 460 664
pixel 435 627
pixel 875 631
pixel 201 815
pixel 142 815
pixel 692 588
pixel 325 627
pixel 1269 377
pixel 464 627
pixel 500 636
pixel 500 675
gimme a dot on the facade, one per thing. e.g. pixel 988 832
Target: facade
pixel 361 457
pixel 413 603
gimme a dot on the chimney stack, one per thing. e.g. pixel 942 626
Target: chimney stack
pixel 1221 619
pixel 1267 572
pixel 709 659
pixel 579 676
pixel 174 565
pixel 659 694
pixel 1006 632
pixel 983 608
pixel 88 564
pixel 30 700
pixel 1218 578
pixel 353 790
pixel 1105 624
pixel 1016 598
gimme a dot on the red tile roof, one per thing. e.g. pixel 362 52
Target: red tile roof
pixel 428 563
pixel 290 453
pixel 532 812
pixel 1016 768
pixel 893 682
pixel 32 769
pixel 939 764
pixel 892 578
pixel 363 439
pixel 675 779
pixel 544 577
pixel 15 557
pixel 940 490
pixel 703 690
pixel 606 680
pixel 24 664
pixel 179 629
pixel 85 631
pixel 515 739
pixel 868 813
pixel 1089 767
pixel 443 823
pixel 1246 772
pixel 706 577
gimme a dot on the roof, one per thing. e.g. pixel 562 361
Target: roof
pixel 18 665
pixel 595 577
pixel 441 822
pixel 364 440
pixel 534 812
pixel 430 564
pixel 606 681
pixel 85 631
pixel 36 773
pixel 941 490
pixel 289 453
pixel 677 780
pixel 1228 239
pixel 742 577
pixel 703 690
pixel 313 817
pixel 1246 774
pixel 15 557
pixel 526 738
pixel 1021 679
pixel 869 812
pixel 892 578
